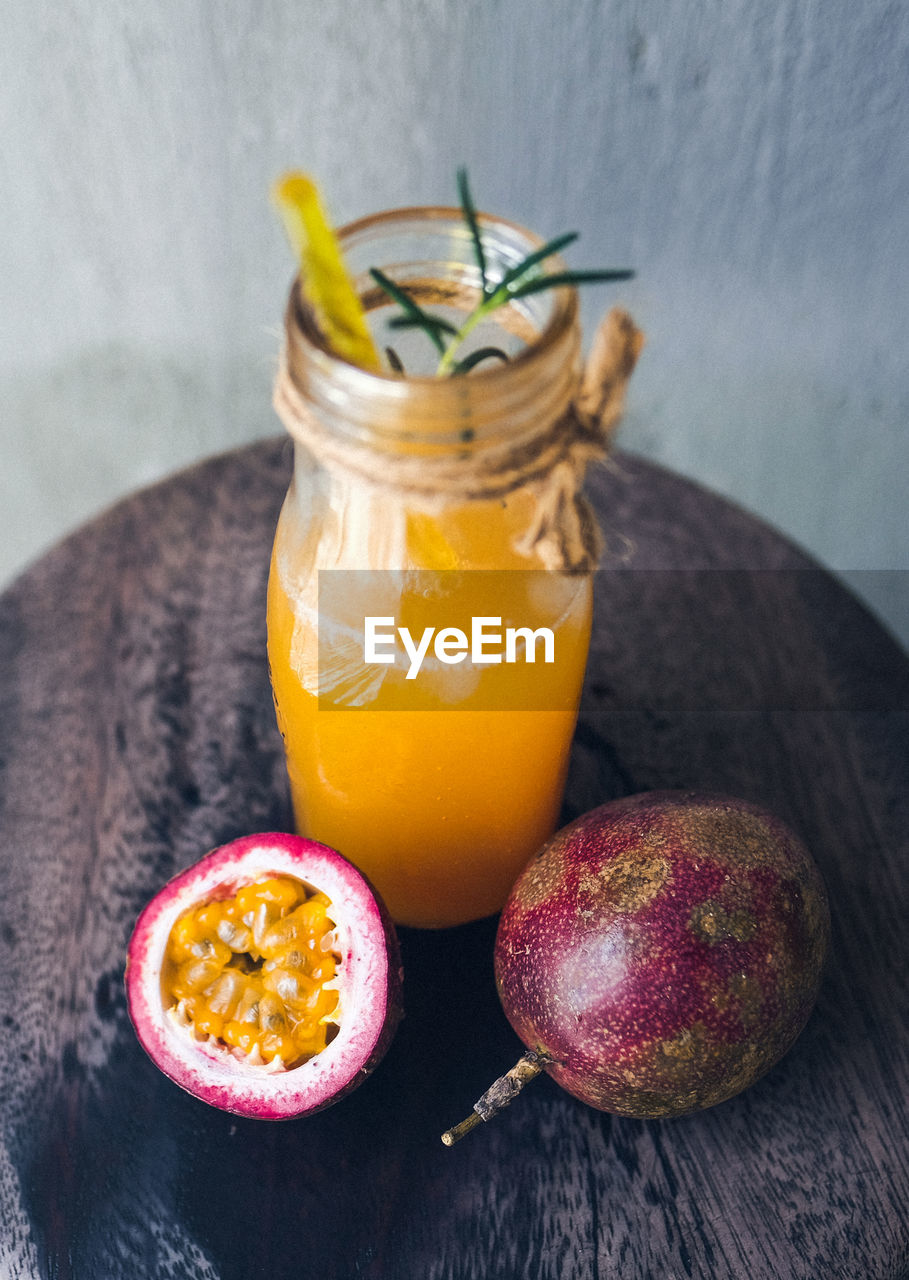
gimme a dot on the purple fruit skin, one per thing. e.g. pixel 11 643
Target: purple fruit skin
pixel 665 950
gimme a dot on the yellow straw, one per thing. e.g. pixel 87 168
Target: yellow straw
pixel 342 321
pixel 325 280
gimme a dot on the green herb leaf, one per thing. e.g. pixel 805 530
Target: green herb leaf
pixel 470 217
pixel 423 318
pixel 518 281
pixel 394 360
pixel 421 321
pixel 556 278
pixel 533 259
pixel 482 353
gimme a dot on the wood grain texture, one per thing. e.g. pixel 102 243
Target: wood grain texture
pixel 136 732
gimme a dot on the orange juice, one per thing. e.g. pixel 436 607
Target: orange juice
pixel 439 807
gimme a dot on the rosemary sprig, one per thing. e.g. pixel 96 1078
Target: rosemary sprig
pixel 519 281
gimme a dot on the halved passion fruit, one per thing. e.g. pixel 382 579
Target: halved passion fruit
pixel 266 978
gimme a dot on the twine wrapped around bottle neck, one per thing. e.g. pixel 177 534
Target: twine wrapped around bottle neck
pixel 564 533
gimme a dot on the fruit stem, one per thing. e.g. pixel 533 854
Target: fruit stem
pixel 500 1093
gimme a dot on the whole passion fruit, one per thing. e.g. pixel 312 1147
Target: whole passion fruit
pixel 659 954
pixel 265 979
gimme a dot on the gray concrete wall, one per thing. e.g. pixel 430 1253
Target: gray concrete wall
pixel 749 157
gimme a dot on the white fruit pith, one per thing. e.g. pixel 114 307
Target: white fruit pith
pixel 223 1021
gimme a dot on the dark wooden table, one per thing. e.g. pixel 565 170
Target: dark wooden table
pixel 136 732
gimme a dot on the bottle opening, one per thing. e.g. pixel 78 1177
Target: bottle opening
pixel 429 254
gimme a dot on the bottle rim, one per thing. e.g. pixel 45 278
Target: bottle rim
pixel 564 298
pixel 535 385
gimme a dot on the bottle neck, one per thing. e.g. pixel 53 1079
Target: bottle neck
pixel 526 427
pixel 497 406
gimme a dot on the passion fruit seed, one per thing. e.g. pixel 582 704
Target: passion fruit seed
pixel 256 971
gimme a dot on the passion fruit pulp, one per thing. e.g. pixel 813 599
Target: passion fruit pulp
pixel 265 979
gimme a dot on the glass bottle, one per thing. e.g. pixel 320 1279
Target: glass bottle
pixel 439 802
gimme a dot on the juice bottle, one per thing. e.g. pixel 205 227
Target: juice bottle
pixel 439 799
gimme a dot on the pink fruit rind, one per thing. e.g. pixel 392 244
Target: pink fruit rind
pixel 369 981
pixel 665 950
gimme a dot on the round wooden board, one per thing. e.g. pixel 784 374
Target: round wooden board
pixel 137 732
